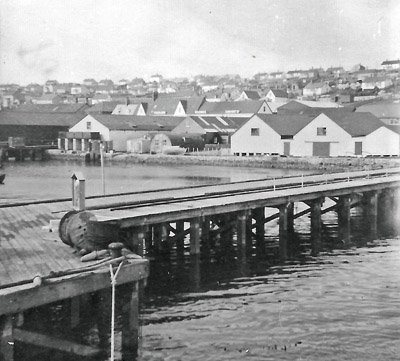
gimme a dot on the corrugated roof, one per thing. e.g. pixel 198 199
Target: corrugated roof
pixel 216 123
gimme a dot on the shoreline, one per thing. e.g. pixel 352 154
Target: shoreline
pixel 331 164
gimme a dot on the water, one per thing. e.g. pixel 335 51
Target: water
pixel 343 304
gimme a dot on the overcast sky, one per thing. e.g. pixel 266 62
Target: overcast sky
pixel 70 40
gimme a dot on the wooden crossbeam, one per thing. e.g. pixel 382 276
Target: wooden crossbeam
pixel 41 340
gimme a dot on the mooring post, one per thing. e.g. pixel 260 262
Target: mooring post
pixel 343 214
pixel 78 191
pixel 130 325
pixel 205 234
pixel 259 217
pixel 316 225
pixel 195 236
pixel 160 238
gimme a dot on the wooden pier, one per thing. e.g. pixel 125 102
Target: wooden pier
pixel 155 221
pixel 37 268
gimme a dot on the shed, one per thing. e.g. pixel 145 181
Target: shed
pixel 162 140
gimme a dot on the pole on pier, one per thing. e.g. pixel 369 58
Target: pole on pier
pixel 103 182
pixel 316 225
pixel 195 236
pixel 78 191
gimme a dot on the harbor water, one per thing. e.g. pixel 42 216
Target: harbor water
pixel 340 305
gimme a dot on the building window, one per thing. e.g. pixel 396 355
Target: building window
pixel 255 131
pixel 321 131
pixel 88 125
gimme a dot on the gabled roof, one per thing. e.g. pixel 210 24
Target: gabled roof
pixel 279 93
pixel 125 109
pixel 252 94
pixel 288 125
pixel 168 105
pixel 51 108
pixel 357 124
pixel 134 122
pixel 39 119
pixel 245 107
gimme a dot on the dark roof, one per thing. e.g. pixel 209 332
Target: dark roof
pixel 357 124
pixel 133 122
pixel 390 62
pixel 51 108
pixel 285 124
pixel 41 119
pixel 252 94
pixel 279 93
pixel 241 107
pixel 104 107
pixel 382 109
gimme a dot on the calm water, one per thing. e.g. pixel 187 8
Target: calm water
pixel 342 305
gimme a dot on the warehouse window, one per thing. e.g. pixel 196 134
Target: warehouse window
pixel 321 131
pixel 255 131
pixel 88 125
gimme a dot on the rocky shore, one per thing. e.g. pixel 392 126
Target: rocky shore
pixel 330 164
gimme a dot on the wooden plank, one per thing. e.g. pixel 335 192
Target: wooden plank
pixel 20 298
pixel 51 342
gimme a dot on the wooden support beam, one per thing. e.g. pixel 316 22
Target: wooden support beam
pixel 130 325
pixel 316 226
pixel 205 233
pixel 343 212
pixel 195 236
pixel 75 305
pixel 283 230
pixel 371 211
pixel 241 229
pixel 180 237
pixel 6 338
pixel 51 342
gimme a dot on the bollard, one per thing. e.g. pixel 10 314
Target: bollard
pixel 116 249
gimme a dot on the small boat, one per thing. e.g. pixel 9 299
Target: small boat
pixel 2 176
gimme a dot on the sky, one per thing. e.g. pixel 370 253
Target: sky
pixel 71 40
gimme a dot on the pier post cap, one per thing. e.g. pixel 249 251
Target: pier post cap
pixel 116 249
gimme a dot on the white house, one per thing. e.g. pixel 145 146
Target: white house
pixel 276 95
pixel 380 82
pixel 316 89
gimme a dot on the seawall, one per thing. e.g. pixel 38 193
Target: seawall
pixel 330 164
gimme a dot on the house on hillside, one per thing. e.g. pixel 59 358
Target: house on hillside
pixel 314 90
pixel 322 135
pixel 276 95
pixel 248 95
pixel 380 82
pixel 47 99
pixel 391 65
pixel 176 106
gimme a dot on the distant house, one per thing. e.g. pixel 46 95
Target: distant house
pixel 11 98
pixel 103 107
pixel 125 109
pixel 335 72
pixel 391 64
pixel 276 95
pixel 322 135
pixel 90 83
pixel 176 106
pixel 316 89
pixel 380 82
pixel 47 99
pixel 248 95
